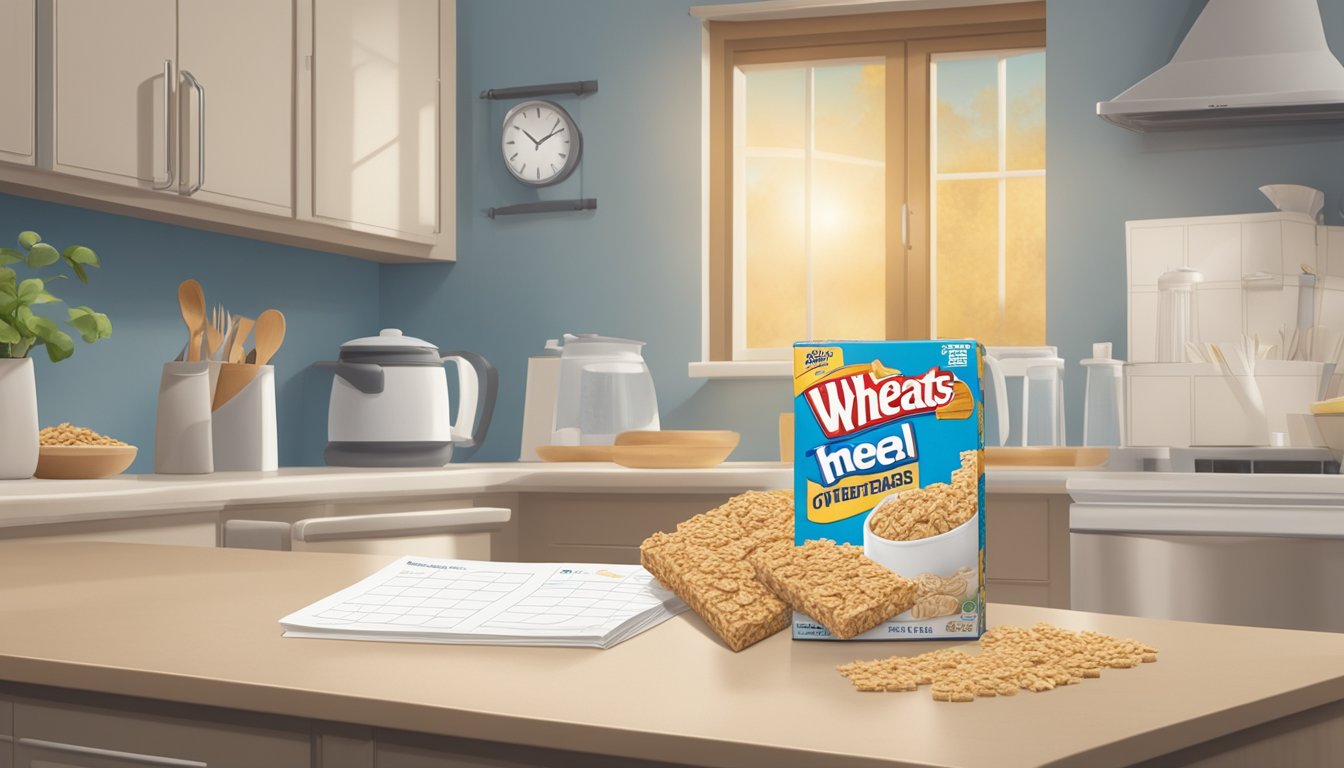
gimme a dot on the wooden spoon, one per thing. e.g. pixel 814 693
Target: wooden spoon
pixel 191 299
pixel 235 353
pixel 269 333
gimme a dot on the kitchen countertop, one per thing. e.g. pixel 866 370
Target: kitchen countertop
pixel 199 626
pixel 36 502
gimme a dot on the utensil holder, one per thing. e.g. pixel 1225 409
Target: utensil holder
pixel 183 443
pixel 244 427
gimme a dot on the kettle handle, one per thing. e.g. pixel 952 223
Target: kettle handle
pixel 474 409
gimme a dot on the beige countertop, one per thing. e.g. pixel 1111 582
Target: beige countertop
pixel 36 502
pixel 200 626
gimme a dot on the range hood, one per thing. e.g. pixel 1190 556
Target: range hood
pixel 1244 62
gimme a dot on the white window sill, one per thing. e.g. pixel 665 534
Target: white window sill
pixel 741 369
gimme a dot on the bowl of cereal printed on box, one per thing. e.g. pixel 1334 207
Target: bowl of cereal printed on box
pixel 67 452
pixel 929 531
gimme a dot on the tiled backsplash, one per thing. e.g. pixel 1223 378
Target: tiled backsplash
pixel 1225 249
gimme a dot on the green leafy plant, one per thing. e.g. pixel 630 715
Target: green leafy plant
pixel 21 328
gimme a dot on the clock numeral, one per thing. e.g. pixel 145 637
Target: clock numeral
pixel 562 154
pixel 515 154
pixel 539 174
pixel 516 128
pixel 538 112
pixel 523 169
pixel 553 168
pixel 510 141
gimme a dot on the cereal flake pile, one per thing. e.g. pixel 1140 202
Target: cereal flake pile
pixel 1011 659
pixel 937 508
pixel 68 434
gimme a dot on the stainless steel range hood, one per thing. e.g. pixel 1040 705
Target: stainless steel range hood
pixel 1244 62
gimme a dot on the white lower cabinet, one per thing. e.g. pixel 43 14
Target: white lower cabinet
pixel 120 733
pixel 1027 549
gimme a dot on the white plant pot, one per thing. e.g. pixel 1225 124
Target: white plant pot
pixel 18 419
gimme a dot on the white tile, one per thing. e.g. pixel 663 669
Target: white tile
pixel 1266 313
pixel 1159 411
pixel 1219 315
pixel 1335 251
pixel 1154 250
pixel 1332 309
pixel 1215 250
pixel 1262 247
pixel 1142 327
pixel 1299 247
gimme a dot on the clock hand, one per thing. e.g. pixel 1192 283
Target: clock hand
pixel 530 136
pixel 549 135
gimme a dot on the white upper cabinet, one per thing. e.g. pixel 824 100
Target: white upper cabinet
pixel 240 54
pixel 17 78
pixel 111 66
pixel 376 115
pixel 228 70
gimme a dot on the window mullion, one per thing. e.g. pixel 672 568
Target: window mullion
pixel 1003 187
pixel 809 149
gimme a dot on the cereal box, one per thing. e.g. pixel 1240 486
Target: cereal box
pixel 888 466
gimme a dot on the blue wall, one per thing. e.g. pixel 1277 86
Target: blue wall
pixel 1101 176
pixel 631 268
pixel 112 386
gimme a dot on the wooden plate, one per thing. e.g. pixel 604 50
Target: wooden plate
pixel 670 456
pixel 703 437
pixel 1028 457
pixel 574 452
pixel 83 462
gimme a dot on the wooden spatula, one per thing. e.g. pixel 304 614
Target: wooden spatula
pixel 269 333
pixel 235 353
pixel 233 377
pixel 191 298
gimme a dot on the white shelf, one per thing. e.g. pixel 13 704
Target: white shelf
pixel 741 369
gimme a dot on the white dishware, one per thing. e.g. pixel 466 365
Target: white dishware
pixel 1041 415
pixel 243 428
pixel 1103 398
pixel 940 555
pixel 18 419
pixel 604 389
pixel 390 407
pixel 1295 198
pixel 1178 313
pixel 183 441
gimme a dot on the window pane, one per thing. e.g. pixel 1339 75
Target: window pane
pixel 967 268
pixel 776 260
pixel 967 103
pixel 1026 112
pixel 776 107
pixel 850 110
pixel 1024 321
pixel 848 250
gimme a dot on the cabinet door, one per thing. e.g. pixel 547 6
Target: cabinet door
pixel 17 81
pixel 242 55
pixel 109 62
pixel 376 115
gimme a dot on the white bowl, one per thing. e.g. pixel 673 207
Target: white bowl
pixel 943 554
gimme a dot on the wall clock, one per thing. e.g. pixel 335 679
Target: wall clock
pixel 540 144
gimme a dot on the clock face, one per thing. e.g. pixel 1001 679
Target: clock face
pixel 541 145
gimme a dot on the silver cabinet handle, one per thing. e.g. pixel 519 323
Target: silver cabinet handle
pixel 200 132
pixel 167 123
pixel 112 754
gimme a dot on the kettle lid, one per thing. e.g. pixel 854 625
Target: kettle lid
pixel 593 338
pixel 390 347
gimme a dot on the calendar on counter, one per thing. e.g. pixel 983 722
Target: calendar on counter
pixel 429 600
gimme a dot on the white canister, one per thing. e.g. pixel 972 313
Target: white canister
pixel 183 442
pixel 18 419
pixel 243 429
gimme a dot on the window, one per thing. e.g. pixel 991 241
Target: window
pixel 842 203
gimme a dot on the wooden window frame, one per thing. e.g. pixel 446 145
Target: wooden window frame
pixel 911 37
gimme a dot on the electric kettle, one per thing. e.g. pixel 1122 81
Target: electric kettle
pixel 389 403
pixel 604 389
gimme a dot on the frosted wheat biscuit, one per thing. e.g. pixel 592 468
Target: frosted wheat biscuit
pixel 834 584
pixel 703 563
pixel 933 509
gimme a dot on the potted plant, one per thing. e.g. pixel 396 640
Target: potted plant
pixel 22 330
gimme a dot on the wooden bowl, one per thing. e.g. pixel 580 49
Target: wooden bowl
pixel 1035 457
pixel 83 462
pixel 574 452
pixel 716 438
pixel 670 456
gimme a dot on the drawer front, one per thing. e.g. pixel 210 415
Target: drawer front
pixel 1017 543
pixel 56 735
pixel 600 528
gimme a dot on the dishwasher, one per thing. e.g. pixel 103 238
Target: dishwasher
pixel 1255 550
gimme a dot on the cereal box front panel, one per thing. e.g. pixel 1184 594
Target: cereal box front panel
pixel 888 455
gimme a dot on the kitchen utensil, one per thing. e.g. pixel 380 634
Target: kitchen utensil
pixel 1177 313
pixel 191 300
pixel 269 333
pixel 182 429
pixel 243 425
pixel 604 389
pixel 390 406
pixel 1103 398
pixel 233 377
pixel 1045 456
pixel 574 452
pixel 1295 198
pixel 214 334
pixel 1042 373
pixel 221 354
pixel 244 327
pixel 543 380
pixel 83 462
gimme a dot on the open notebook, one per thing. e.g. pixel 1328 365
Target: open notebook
pixel 424 600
